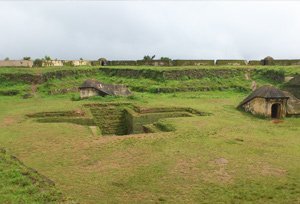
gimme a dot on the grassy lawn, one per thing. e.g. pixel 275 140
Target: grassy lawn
pixel 228 157
pixel 39 70
pixel 20 184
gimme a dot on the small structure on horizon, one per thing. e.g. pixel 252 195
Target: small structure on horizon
pixel 266 101
pixel 92 87
pixel 268 60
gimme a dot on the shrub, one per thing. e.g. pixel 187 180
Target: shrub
pixel 75 97
pixel 148 58
pixel 165 59
pixel 37 63
pixel 47 57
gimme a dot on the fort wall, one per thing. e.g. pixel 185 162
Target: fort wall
pixel 178 62
pixel 16 63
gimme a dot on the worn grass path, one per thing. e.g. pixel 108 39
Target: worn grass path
pixel 229 157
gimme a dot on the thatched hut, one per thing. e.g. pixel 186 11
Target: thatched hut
pixel 95 88
pixel 266 101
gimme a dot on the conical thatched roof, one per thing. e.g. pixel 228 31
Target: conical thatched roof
pixel 268 58
pixel 264 92
pixel 90 83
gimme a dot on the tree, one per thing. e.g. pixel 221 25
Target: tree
pixel 149 58
pixel 47 58
pixel 37 62
pixel 26 58
pixel 165 59
pixel 6 58
pixel 81 58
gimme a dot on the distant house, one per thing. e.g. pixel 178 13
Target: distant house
pixel 266 101
pixel 52 63
pixel 95 88
pixel 76 63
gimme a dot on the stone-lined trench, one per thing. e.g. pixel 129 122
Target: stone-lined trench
pixel 119 118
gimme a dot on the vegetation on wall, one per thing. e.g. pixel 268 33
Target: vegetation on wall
pixel 26 58
pixel 148 58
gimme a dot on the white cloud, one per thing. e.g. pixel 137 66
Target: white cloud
pixel 132 29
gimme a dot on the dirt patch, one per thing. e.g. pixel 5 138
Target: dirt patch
pixel 79 112
pixel 221 175
pixel 218 172
pixel 277 121
pixel 33 88
pixel 265 169
pixel 187 167
pixel 272 171
pixel 9 121
pixel 221 161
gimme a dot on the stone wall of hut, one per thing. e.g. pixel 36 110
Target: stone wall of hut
pixel 263 107
pixel 88 92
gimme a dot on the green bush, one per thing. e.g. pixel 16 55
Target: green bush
pixel 37 63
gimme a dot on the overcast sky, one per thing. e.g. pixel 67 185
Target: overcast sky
pixel 132 29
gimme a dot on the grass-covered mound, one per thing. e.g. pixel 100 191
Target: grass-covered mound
pixel 20 184
pixel 141 78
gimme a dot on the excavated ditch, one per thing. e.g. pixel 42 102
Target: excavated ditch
pixel 119 118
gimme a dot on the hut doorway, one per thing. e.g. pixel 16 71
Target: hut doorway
pixel 276 110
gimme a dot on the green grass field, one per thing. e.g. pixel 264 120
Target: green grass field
pixel 38 70
pixel 227 157
pixel 20 184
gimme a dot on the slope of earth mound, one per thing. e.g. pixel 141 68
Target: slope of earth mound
pixel 21 184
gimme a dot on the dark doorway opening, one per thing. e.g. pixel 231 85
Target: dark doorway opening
pixel 276 110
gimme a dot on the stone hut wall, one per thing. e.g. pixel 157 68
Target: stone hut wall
pixel 16 63
pixel 282 102
pixel 263 107
pixel 88 92
pixel 256 106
